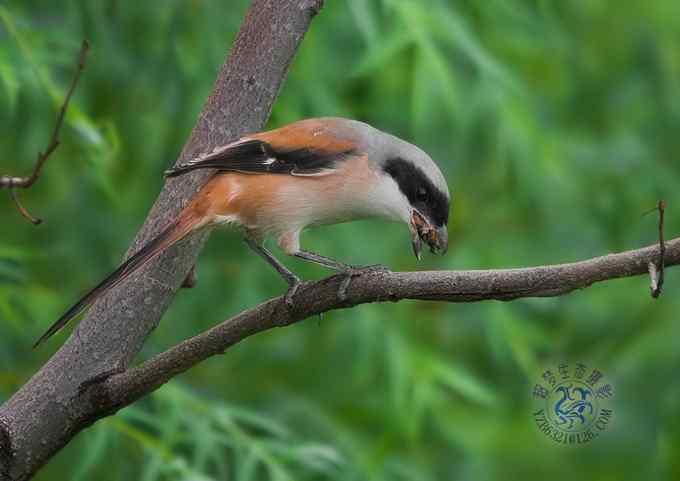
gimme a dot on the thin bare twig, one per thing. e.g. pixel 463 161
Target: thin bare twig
pixel 11 182
pixel 22 210
pixel 656 270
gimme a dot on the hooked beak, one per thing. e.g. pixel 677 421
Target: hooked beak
pixel 423 230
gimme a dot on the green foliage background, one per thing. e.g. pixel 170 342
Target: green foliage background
pixel 556 123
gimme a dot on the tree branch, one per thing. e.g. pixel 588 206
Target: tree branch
pixel 50 409
pixel 10 182
pixel 318 297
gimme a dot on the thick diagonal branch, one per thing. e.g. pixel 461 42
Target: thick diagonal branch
pixel 318 297
pixel 50 408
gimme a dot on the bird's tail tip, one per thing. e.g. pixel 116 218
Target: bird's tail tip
pixel 173 233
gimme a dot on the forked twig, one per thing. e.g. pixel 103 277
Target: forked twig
pixel 11 182
pixel 656 270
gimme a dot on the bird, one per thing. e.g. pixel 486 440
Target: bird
pixel 312 172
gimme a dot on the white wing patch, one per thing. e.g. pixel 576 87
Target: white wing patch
pixel 312 173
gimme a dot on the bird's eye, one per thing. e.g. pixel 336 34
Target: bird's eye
pixel 421 194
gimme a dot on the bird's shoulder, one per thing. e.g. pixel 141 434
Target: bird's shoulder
pixel 310 147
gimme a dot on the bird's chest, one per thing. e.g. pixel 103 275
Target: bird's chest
pixel 278 203
pixel 320 201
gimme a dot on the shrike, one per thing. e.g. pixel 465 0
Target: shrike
pixel 308 173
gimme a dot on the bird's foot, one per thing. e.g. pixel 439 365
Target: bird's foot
pixel 355 271
pixel 293 286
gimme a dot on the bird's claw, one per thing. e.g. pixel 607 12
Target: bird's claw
pixel 292 290
pixel 356 271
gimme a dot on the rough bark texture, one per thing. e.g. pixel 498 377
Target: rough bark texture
pixel 52 408
pixel 317 297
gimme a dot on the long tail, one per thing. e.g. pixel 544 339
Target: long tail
pixel 172 234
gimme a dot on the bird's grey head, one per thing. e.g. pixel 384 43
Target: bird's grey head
pixel 412 189
pixel 424 188
pixel 422 183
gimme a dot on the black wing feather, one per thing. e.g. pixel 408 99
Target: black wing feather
pixel 257 156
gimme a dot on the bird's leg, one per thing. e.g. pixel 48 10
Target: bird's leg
pixel 337 265
pixel 292 280
pixel 348 270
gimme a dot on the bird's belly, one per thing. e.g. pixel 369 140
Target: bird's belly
pixel 317 206
pixel 275 204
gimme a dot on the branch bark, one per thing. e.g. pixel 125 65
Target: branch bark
pixel 50 408
pixel 318 297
